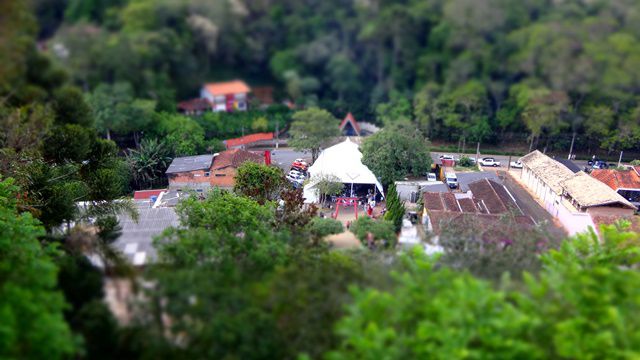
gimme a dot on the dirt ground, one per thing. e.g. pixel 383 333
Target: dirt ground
pixel 344 240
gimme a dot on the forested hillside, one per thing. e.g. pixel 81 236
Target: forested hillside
pixel 463 70
pixel 88 93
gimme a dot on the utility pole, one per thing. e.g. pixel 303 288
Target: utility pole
pixel 477 152
pixel 573 139
pixel 277 133
pixel 620 159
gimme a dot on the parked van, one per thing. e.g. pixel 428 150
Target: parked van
pixel 451 180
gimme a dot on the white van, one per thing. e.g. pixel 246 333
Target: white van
pixel 451 180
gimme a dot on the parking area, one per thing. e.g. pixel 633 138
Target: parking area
pixel 529 205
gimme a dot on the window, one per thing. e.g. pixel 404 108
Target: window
pixel 220 175
pixel 207 174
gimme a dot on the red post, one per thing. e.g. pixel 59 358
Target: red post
pixel 267 157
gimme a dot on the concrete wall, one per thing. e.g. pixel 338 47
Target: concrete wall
pixel 610 211
pixel 197 179
pixel 405 190
pixel 201 179
pixel 549 198
pixel 574 222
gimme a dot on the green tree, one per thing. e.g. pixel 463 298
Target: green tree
pixel 327 185
pixel 397 110
pixel 226 212
pixel 260 124
pixel 259 182
pixel 149 162
pixel 71 108
pixel 68 143
pixel 182 134
pixel 382 232
pixel 436 314
pixel 396 152
pixel 322 227
pixel 395 208
pixel 311 129
pixel 33 324
pixel 116 110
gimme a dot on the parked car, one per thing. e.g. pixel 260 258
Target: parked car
pixel 447 157
pixel 431 177
pixel 516 164
pixel 452 180
pixel 489 161
pixel 599 164
pixel 300 164
pixel 296 176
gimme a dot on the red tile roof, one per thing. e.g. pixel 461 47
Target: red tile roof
pixel 432 201
pixel 147 194
pixel 198 104
pixel 467 205
pixel 248 139
pixel 235 158
pixel 352 120
pixel 484 222
pixel 227 88
pixel 618 179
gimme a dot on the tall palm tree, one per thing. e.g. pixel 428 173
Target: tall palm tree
pixel 149 162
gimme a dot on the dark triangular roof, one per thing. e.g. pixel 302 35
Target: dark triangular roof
pixel 350 119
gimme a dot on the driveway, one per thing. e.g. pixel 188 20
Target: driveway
pixel 466 178
pixel 530 206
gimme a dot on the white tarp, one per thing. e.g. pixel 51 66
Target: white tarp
pixel 344 161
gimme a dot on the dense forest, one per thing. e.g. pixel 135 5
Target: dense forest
pixel 462 70
pixel 88 93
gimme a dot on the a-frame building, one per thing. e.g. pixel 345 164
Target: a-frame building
pixel 349 126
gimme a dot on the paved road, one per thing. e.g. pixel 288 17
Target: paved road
pixel 283 157
pixel 503 159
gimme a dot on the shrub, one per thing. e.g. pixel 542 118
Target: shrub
pixel 321 227
pixel 466 161
pixel 382 231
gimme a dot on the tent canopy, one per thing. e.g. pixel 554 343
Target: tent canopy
pixel 344 161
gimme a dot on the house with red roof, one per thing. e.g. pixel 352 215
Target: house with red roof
pixel 487 201
pixel 203 172
pixel 226 96
pixel 624 182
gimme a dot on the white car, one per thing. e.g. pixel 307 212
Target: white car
pixel 516 164
pixel 489 161
pixel 431 177
pixel 447 157
pixel 296 176
pixel 451 180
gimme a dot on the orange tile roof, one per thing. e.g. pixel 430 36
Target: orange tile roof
pixel 235 158
pixel 618 179
pixel 248 139
pixel 352 120
pixel 227 88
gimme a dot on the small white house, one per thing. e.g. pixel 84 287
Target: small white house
pixel 226 96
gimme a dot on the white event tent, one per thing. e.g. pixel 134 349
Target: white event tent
pixel 344 161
